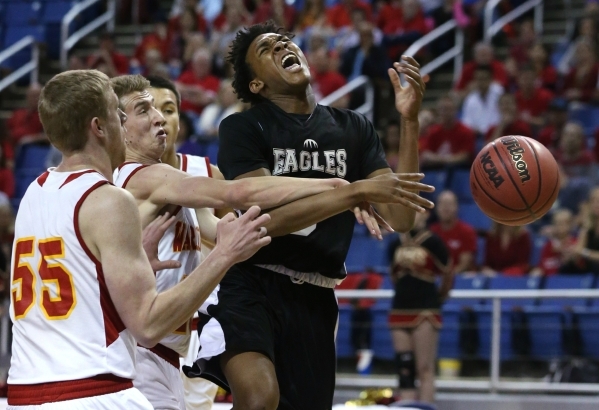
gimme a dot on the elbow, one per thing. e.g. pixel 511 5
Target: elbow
pixel 403 227
pixel 148 338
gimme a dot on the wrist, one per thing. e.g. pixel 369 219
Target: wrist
pixel 219 259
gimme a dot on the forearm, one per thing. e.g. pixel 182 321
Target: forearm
pixel 309 211
pixel 175 306
pixel 270 192
pixel 400 217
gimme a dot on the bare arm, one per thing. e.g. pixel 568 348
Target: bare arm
pixel 216 174
pixel 163 184
pixel 308 211
pixel 464 262
pixel 111 228
pixel 407 103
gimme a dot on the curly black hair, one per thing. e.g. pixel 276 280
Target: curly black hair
pixel 243 74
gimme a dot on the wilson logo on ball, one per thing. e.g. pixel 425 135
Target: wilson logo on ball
pixel 516 152
pixel 491 170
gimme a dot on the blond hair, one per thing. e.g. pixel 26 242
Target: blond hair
pixel 67 104
pixel 127 84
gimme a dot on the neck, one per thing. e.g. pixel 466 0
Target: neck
pixel 170 157
pixel 448 223
pixel 133 156
pixel 295 104
pixel 86 160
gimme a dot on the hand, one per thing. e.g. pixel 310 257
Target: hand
pixel 365 214
pixel 409 98
pixel 240 238
pixel 151 236
pixel 393 188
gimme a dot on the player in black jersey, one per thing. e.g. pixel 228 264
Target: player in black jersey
pixel 270 338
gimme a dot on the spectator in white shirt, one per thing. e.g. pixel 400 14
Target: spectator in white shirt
pixel 481 106
pixel 226 104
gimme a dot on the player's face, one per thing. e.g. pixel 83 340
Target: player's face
pixel 116 132
pixel 145 134
pixel 165 102
pixel 278 63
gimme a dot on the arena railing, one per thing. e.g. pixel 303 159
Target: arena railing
pixel 67 42
pixel 494 384
pixel 491 28
pixel 456 53
pixel 362 81
pixel 32 67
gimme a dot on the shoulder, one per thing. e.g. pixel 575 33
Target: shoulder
pixel 466 228
pixel 242 120
pixel 344 116
pixel 435 228
pixel 107 202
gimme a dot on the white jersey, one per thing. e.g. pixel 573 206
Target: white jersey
pixel 181 242
pixel 65 325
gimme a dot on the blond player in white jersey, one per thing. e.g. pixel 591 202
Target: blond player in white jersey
pixel 82 288
pixel 199 393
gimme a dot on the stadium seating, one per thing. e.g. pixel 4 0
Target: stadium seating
pixel 460 185
pixel 471 213
pixel 484 313
pixel 547 320
pixel 438 179
pixel 364 252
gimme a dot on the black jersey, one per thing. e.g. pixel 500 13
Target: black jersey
pixel 330 143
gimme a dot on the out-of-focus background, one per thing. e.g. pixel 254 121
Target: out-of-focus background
pixel 497 67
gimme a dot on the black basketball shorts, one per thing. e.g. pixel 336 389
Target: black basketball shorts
pixel 293 324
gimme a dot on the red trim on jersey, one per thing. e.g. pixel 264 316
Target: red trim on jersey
pixel 126 163
pixel 113 324
pixel 209 170
pixel 183 162
pixel 165 353
pixel 194 323
pixel 42 178
pixel 132 173
pixel 52 392
pixel 76 175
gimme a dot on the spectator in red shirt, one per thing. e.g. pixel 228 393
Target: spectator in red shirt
pixel 483 56
pixel 426 118
pixel 278 10
pixel 532 101
pixel 198 87
pixel 401 33
pixel 24 125
pixel 526 38
pixel 557 116
pixel 325 79
pixel 390 16
pixel 449 142
pixel 7 178
pixel 508 250
pixel 156 40
pixel 581 82
pixel 113 62
pixel 190 9
pixel 555 256
pixel 312 14
pixel 509 123
pixel 546 74
pixel 573 155
pixel 339 15
pixel 458 236
pixel 366 58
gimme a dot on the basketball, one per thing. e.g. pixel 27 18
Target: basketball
pixel 514 180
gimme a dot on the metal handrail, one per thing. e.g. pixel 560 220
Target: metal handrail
pixel 456 53
pixel 494 384
pixel 492 28
pixel 68 42
pixel 362 81
pixel 31 67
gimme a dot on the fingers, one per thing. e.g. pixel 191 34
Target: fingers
pixel 251 213
pixel 394 77
pixel 417 186
pixel 170 264
pixel 410 60
pixel 382 223
pixel 416 176
pixel 228 218
pixel 371 224
pixel 358 215
pixel 262 232
pixel 418 202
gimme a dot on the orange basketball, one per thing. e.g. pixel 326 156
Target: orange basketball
pixel 514 180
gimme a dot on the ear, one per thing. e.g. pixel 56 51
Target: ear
pixel 98 127
pixel 256 86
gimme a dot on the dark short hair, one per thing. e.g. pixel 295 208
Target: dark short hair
pixel 484 67
pixel 243 73
pixel 157 81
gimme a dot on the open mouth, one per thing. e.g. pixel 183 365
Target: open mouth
pixel 290 62
pixel 161 133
